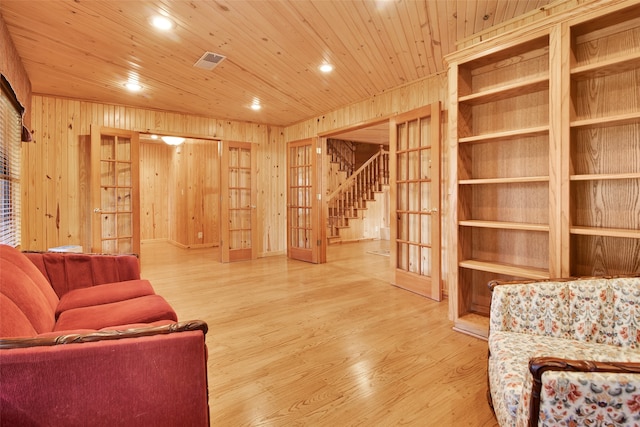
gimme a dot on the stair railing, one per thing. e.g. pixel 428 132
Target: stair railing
pixel 343 203
pixel 343 153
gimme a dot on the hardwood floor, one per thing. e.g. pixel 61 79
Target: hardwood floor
pixel 297 344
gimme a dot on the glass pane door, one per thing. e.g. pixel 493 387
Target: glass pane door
pixel 238 186
pixel 114 172
pixel 415 150
pixel 303 241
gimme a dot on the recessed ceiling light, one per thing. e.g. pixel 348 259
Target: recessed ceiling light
pixel 255 106
pixel 162 22
pixel 326 68
pixel 133 86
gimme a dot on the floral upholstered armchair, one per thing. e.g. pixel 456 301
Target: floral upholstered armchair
pixel 565 352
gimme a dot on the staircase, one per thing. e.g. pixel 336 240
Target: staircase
pixel 342 153
pixel 347 201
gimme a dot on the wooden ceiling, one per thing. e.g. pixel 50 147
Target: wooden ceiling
pixel 88 49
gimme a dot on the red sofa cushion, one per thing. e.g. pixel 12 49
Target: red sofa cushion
pixel 14 322
pixel 69 271
pixel 104 294
pixel 29 292
pixel 146 309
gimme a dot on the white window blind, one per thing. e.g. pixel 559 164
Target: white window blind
pixel 10 136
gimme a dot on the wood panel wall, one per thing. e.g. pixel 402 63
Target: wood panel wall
pixel 56 210
pixel 404 98
pixel 194 194
pixel 55 166
pixel 155 180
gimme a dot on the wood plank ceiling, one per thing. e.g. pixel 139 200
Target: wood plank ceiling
pixel 89 49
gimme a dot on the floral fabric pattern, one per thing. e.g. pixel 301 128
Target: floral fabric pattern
pixel 509 377
pixel 626 325
pixel 595 319
pixel 570 398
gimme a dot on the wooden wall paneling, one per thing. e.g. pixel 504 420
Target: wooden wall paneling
pixel 270 191
pixel 74 180
pixel 210 222
pixel 155 184
pixel 271 210
pixel 61 128
pixel 173 194
pixel 177 209
pixel 51 174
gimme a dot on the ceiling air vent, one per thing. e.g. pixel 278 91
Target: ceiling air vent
pixel 209 61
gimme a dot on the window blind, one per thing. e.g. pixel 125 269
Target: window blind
pixel 10 136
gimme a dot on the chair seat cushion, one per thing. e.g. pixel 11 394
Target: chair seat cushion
pixel 145 309
pixel 103 294
pixel 509 364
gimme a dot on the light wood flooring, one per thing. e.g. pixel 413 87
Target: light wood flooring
pixel 297 344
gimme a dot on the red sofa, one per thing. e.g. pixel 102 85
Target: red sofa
pixel 84 341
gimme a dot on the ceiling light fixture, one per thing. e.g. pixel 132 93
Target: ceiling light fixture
pixel 326 68
pixel 133 86
pixel 255 106
pixel 162 23
pixel 173 140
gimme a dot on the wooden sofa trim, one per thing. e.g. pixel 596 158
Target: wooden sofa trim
pixel 192 325
pixel 539 365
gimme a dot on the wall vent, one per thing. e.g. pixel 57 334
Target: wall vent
pixel 209 61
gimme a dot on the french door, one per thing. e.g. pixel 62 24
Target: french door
pixel 238 191
pixel 305 237
pixel 415 200
pixel 115 194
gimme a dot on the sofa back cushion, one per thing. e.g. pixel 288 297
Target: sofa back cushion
pixel 27 296
pixel 596 310
pixel 626 309
pixel 539 309
pixel 69 271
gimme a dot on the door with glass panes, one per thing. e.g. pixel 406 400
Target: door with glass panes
pixel 415 200
pixel 238 190
pixel 305 239
pixel 115 216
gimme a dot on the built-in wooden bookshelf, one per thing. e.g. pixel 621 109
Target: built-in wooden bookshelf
pixel 544 140
pixel 604 144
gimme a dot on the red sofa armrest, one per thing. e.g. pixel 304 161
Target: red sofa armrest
pixel 68 271
pixel 143 376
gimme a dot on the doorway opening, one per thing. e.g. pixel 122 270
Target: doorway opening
pixel 181 198
pixel 356 189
